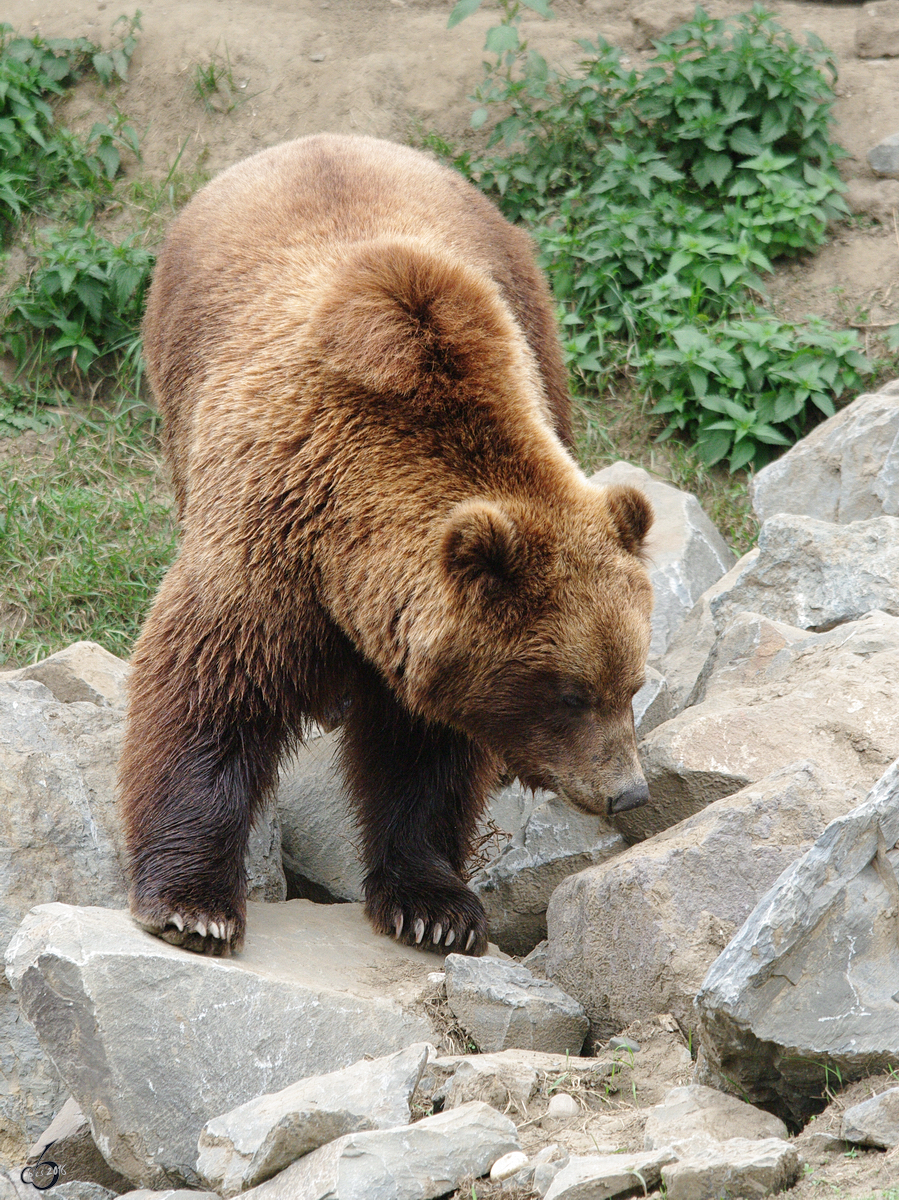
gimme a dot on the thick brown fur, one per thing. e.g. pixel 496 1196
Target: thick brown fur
pixel 366 415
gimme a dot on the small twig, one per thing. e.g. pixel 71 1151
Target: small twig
pixel 873 324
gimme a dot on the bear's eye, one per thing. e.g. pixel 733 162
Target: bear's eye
pixel 573 700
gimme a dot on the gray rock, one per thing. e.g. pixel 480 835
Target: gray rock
pixel 79 1189
pixel 503 1005
pixel 877 30
pixel 816 574
pixel 554 842
pixel 601 1176
pixel 62 840
pixel 319 834
pixel 260 1138
pixel 176 1194
pixel 874 1122
pixel 737 1167
pixel 692 643
pixel 807 988
pixel 74 1150
pixel 415 1162
pixel 82 671
pixel 832 698
pixel 696 1110
pixel 652 704
pixel 686 552
pixel 153 1042
pixel 846 469
pixel 636 936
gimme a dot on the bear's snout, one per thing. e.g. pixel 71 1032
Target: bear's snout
pixel 632 797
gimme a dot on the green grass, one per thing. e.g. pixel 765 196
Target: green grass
pixel 86 533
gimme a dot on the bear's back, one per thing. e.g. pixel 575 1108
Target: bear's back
pixel 247 258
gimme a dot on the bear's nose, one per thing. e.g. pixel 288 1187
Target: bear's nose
pixel 631 797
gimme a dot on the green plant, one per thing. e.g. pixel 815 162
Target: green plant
pixel 659 200
pixel 81 303
pixel 117 59
pixel 40 158
pixel 214 84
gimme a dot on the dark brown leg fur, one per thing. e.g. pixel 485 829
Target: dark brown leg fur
pixel 197 761
pixel 419 789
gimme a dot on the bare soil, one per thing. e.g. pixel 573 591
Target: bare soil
pixel 390 68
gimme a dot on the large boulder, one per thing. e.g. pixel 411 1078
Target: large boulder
pixel 636 936
pixel 805 993
pixel 61 727
pixel 847 469
pixel 686 554
pixel 816 574
pixel 831 697
pixel 152 1041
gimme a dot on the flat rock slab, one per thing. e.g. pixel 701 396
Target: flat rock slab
pixel 503 1006
pixel 694 1110
pixel 806 990
pixel 736 1167
pixel 601 1176
pixel 816 574
pixel 258 1139
pixel 415 1162
pixel 831 697
pixel 153 1042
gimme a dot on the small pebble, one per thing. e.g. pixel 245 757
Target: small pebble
pixel 317 57
pixel 508 1165
pixel 563 1105
pixel 623 1043
pixel 437 977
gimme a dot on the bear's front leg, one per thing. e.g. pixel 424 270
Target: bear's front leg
pixel 200 753
pixel 419 790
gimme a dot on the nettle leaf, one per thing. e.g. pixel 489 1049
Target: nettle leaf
pixel 540 6
pixel 462 9
pixel 501 38
pixel 743 454
pixel 712 168
pixel 743 141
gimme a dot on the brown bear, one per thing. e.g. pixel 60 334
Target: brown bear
pixel 366 416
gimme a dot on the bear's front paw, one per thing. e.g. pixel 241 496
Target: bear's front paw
pixel 443 917
pixel 211 933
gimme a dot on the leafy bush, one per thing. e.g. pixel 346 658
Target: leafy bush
pixel 659 201
pixel 38 158
pixel 81 302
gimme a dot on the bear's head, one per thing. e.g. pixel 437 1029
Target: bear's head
pixel 547 645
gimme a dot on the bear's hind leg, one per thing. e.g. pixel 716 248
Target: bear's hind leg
pixel 419 790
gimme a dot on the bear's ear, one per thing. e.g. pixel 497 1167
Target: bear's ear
pixel 482 548
pixel 631 515
pixel 396 317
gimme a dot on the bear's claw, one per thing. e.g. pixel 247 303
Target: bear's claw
pixel 218 937
pixel 434 917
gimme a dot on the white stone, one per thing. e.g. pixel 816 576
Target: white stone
pixel 508 1165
